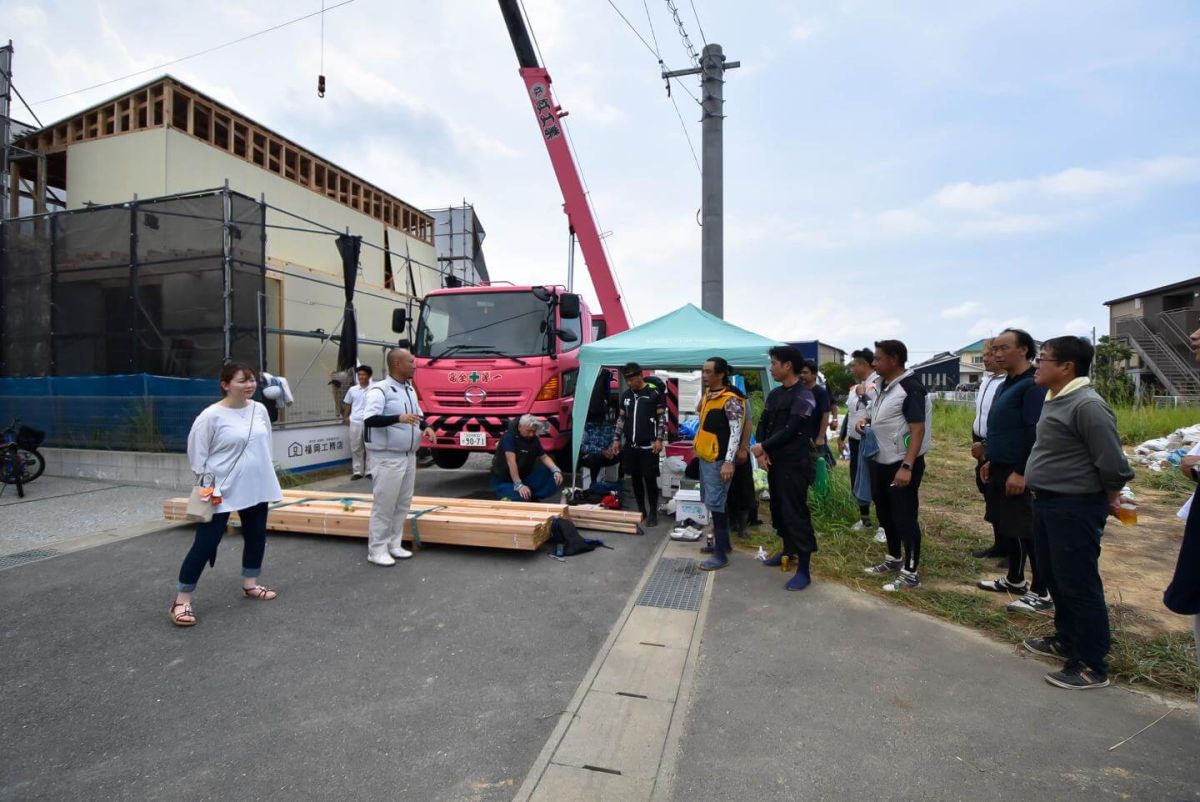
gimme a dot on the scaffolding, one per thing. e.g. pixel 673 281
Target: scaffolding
pixel 171 287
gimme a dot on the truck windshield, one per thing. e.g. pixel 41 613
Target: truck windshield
pixel 507 322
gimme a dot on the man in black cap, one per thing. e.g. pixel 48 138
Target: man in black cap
pixel 638 436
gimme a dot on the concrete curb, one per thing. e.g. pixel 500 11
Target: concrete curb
pixel 538 769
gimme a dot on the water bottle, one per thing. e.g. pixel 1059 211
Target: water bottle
pixel 558 550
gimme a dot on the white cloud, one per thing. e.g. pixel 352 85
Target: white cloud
pixel 1077 326
pixel 990 327
pixel 963 310
pixel 1051 202
pixel 801 32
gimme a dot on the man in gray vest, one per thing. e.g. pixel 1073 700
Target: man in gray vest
pixel 392 421
pixel 901 418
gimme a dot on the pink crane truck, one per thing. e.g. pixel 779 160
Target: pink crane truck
pixel 489 354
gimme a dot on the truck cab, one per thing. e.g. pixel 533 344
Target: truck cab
pixel 487 355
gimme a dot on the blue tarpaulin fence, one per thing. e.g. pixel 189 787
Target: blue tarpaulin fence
pixel 132 412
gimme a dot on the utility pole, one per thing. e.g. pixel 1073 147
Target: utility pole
pixel 712 182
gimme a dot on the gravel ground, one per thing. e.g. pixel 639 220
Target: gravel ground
pixel 56 510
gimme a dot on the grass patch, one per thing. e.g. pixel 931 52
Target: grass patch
pixel 1165 662
pixel 1136 424
pixel 1142 423
pixel 1169 480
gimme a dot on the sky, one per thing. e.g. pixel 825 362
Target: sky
pixel 928 171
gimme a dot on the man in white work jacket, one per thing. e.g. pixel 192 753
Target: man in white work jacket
pixel 392 421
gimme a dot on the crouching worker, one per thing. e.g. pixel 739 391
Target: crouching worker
pixel 521 469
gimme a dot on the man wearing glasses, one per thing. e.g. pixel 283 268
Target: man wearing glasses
pixel 1075 471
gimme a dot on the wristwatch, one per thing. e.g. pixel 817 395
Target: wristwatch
pixel 907 466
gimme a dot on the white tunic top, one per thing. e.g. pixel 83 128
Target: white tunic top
pixel 356 399
pixel 214 443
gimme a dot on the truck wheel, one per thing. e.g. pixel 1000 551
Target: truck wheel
pixel 450 459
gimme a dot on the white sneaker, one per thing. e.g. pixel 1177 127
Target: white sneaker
pixel 880 535
pixel 400 553
pixel 858 526
pixel 381 559
pixel 689 534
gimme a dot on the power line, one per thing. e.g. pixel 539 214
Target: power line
pixel 533 34
pixel 703 38
pixel 687 41
pixel 641 38
pixel 687 136
pixel 653 35
pixel 205 52
pixel 657 55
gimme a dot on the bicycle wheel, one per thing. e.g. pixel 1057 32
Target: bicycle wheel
pixel 35 463
pixel 27 461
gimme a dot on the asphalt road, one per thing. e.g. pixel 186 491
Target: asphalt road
pixel 440 678
pixel 833 694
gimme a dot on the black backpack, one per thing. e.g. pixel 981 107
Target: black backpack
pixel 565 539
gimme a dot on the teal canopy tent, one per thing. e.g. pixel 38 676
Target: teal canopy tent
pixel 679 340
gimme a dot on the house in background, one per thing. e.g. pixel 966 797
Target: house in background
pixel 819 352
pixel 941 373
pixel 1155 324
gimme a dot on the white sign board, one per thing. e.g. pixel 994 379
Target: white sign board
pixel 301 448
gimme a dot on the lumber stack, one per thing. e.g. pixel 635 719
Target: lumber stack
pixel 594 516
pixel 460 522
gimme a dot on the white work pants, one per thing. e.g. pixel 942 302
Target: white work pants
pixel 358 449
pixel 393 479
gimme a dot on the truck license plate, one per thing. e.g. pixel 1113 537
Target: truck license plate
pixel 472 439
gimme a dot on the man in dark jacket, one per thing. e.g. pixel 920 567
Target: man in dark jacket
pixel 638 437
pixel 785 451
pixel 1075 471
pixel 1009 438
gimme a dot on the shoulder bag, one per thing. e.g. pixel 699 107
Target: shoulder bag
pixel 204 493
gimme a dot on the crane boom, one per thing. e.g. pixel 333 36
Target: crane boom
pixel 575 204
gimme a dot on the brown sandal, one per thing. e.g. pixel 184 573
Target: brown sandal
pixel 184 618
pixel 260 593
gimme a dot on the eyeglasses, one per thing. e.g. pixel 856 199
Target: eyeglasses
pixel 1042 359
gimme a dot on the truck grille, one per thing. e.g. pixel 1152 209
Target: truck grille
pixel 496 399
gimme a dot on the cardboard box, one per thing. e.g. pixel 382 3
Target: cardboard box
pixel 689 505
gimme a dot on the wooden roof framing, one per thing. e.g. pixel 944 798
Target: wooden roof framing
pixel 168 102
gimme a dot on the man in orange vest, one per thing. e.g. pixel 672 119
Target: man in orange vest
pixel 722 416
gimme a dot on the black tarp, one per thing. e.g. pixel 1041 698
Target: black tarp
pixel 349 247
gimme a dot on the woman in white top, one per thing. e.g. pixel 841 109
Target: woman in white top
pixel 230 441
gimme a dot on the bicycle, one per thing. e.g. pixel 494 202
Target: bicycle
pixel 20 460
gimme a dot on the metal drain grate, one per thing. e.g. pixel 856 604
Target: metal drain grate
pixel 677 584
pixel 21 557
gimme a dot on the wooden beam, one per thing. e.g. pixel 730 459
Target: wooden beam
pixel 14 189
pixel 39 186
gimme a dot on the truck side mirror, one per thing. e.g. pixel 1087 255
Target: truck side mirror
pixel 569 306
pixel 566 335
pixel 404 343
pixel 399 320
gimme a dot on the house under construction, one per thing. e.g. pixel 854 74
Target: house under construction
pixel 170 232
